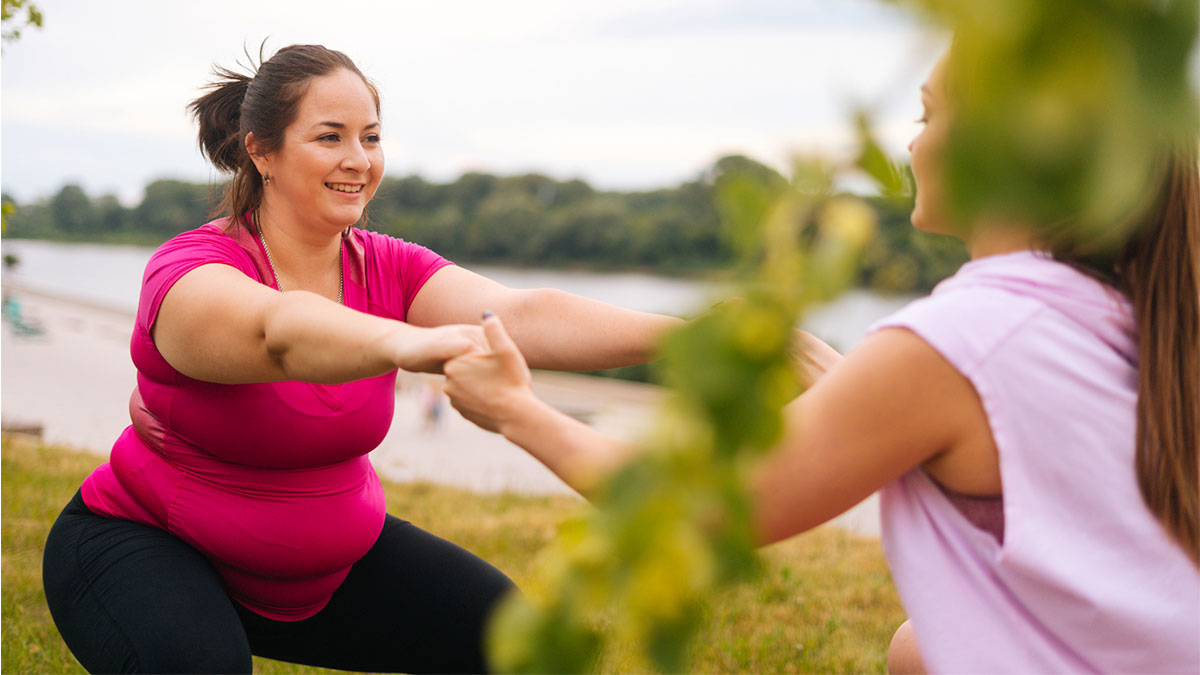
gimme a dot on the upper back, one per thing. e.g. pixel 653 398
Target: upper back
pixel 1086 578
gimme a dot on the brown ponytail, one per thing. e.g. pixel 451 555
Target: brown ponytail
pixel 1160 271
pixel 264 103
pixel 218 114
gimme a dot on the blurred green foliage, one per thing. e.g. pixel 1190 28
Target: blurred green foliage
pixel 673 527
pixel 1063 109
pixel 15 20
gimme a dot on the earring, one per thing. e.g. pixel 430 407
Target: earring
pixel 267 178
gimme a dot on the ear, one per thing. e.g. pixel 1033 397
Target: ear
pixel 261 160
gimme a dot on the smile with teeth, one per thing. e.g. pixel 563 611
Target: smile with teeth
pixel 344 187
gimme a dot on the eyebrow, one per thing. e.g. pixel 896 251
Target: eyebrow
pixel 339 125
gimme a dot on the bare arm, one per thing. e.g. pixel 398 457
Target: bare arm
pixel 217 325
pixel 891 405
pixel 813 358
pixel 553 329
pixel 493 390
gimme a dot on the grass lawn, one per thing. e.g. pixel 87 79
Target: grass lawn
pixel 825 602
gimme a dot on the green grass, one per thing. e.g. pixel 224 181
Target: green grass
pixel 824 603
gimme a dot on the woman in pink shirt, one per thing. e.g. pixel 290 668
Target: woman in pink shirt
pixel 239 513
pixel 1033 426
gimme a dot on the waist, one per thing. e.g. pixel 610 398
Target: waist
pixel 275 523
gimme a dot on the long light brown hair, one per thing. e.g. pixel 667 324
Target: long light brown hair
pixel 1160 273
pixel 1159 270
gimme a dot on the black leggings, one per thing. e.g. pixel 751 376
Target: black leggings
pixel 132 598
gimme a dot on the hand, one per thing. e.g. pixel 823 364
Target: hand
pixel 489 387
pixel 426 350
pixel 812 357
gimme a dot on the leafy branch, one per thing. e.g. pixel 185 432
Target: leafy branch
pixel 673 528
pixel 11 18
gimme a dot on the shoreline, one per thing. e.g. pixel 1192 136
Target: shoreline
pixel 73 380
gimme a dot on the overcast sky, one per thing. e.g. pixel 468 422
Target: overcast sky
pixel 622 93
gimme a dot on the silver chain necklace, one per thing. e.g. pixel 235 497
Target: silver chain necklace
pixel 271 263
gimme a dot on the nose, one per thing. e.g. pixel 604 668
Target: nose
pixel 356 158
pixel 910 144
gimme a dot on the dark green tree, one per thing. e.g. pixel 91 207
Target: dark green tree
pixel 172 206
pixel 72 209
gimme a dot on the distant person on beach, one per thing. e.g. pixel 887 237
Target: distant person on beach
pixel 432 402
pixel 238 513
pixel 1032 425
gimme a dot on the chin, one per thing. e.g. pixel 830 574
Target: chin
pixel 922 221
pixel 345 220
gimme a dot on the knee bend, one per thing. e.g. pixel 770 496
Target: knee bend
pixel 903 655
pixel 212 654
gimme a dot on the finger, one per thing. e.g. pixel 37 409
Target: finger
pixel 498 338
pixel 451 369
pixel 459 347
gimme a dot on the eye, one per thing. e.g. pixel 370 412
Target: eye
pixel 329 138
pixel 371 138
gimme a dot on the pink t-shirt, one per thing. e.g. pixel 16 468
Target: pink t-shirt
pixel 270 481
pixel 1085 579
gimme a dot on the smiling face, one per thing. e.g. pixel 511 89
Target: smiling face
pixel 331 160
pixel 929 213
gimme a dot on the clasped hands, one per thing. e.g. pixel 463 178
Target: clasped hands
pixel 489 387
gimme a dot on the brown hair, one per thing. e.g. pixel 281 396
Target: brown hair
pixel 264 103
pixel 1159 270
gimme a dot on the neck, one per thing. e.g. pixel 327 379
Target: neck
pixel 299 258
pixel 295 245
pixel 988 239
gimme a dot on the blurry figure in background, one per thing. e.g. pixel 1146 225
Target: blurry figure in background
pixel 432 402
pixel 239 513
pixel 11 308
pixel 1033 426
pixel 10 305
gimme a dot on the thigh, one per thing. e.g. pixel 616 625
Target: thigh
pixel 414 603
pixel 132 598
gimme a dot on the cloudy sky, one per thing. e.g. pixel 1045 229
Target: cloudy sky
pixel 622 93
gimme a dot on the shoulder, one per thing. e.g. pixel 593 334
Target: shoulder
pixel 385 252
pixel 384 245
pixel 964 325
pixel 209 243
pixel 212 241
pixel 991 300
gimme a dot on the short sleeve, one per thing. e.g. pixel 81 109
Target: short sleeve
pixel 177 257
pixel 963 326
pixel 396 270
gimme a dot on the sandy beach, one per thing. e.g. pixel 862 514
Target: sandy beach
pixel 71 377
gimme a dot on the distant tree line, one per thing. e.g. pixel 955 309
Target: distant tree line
pixel 525 219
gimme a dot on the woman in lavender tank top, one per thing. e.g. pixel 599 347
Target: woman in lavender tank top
pixel 1032 427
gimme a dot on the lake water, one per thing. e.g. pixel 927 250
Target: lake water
pixel 110 276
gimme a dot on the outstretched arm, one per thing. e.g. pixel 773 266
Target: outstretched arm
pixel 891 405
pixel 217 325
pixel 494 390
pixel 555 330
pixel 813 358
